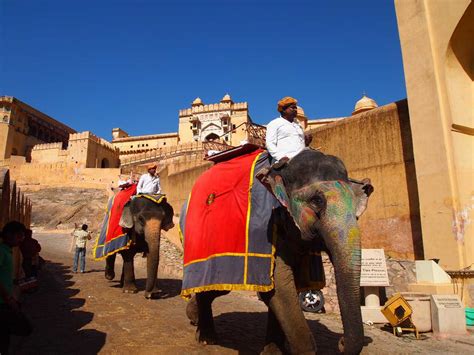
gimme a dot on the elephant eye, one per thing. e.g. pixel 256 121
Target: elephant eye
pixel 317 201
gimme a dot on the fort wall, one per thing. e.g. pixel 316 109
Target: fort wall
pixel 48 152
pixel 177 185
pixel 377 144
pixel 63 174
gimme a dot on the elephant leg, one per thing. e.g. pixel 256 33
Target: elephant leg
pixel 275 338
pixel 205 332
pixel 285 309
pixel 192 311
pixel 110 267
pixel 152 237
pixel 128 273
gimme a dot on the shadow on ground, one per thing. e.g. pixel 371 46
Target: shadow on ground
pixel 56 322
pixel 245 332
pixel 169 287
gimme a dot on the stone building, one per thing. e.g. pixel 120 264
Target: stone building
pixel 28 135
pixel 84 150
pixel 22 126
pixel 140 144
pixel 225 122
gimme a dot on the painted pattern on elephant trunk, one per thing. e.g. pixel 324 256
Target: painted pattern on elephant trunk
pixel 328 209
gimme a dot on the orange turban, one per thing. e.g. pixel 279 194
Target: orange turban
pixel 286 101
pixel 151 166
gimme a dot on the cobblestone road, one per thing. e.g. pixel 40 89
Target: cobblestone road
pixel 85 314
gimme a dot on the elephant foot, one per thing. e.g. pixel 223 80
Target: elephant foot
pixel 206 337
pixel 271 348
pixel 130 289
pixel 150 295
pixel 192 311
pixel 109 275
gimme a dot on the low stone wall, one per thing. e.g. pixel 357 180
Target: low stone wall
pixel 62 174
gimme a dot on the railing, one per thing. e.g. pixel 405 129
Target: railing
pixel 14 205
pixel 158 154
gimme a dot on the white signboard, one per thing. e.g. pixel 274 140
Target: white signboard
pixel 447 301
pixel 447 315
pixel 373 269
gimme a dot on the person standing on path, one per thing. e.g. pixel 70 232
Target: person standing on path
pixel 80 238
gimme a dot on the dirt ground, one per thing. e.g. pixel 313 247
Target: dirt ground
pixel 85 314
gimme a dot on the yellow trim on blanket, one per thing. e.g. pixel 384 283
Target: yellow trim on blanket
pixel 107 213
pixel 249 211
pixel 186 294
pixel 153 199
pixel 228 254
pixel 113 252
pixel 180 232
pixel 94 250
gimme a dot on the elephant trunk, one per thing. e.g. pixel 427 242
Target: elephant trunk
pixel 344 246
pixel 152 237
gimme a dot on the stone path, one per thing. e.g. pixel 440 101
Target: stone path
pixel 85 314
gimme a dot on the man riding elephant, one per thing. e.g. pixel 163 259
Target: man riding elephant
pixel 134 225
pixel 261 247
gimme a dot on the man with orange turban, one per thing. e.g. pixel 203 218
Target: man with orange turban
pixel 285 137
pixel 149 183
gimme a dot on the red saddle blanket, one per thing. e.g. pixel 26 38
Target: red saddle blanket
pixel 227 239
pixel 112 238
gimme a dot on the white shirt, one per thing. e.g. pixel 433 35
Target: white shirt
pixel 284 138
pixel 81 238
pixel 148 184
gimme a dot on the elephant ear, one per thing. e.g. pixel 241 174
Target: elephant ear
pixel 126 220
pixel 362 190
pixel 274 181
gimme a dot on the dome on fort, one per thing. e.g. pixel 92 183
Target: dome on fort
pixel 226 98
pixel 364 104
pixel 197 102
pixel 300 111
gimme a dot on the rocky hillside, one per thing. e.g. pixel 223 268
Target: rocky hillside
pixel 61 208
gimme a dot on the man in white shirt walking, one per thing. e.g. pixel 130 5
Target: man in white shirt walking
pixel 80 238
pixel 149 183
pixel 285 137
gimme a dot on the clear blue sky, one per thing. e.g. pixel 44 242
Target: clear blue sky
pixel 97 64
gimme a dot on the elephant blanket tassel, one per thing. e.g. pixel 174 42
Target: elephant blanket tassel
pixel 228 245
pixel 112 238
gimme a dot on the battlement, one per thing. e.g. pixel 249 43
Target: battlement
pixel 92 137
pixel 46 146
pixel 221 106
pixel 6 98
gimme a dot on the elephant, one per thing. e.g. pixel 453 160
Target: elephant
pixel 144 219
pixel 319 209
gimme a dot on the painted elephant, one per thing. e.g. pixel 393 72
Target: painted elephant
pixel 144 218
pixel 321 206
